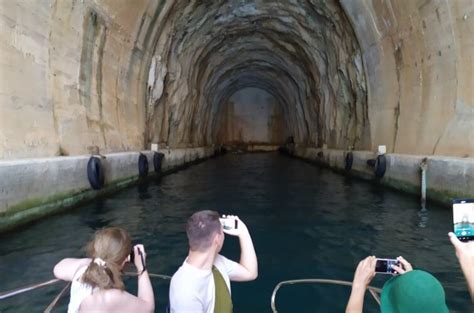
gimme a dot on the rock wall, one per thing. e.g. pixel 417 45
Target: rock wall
pixel 251 116
pixel 304 53
pixel 418 58
pixel 72 76
pixel 122 74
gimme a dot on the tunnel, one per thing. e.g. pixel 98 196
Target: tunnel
pixel 375 89
pixel 120 112
pixel 302 61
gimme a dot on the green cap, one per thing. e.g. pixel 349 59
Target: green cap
pixel 413 292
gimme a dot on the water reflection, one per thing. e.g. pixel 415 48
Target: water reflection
pixel 423 214
pixel 142 189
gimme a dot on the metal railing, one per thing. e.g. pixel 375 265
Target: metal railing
pixel 11 293
pixel 375 292
pixel 7 294
pixel 17 291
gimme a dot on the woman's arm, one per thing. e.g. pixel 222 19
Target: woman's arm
pixel 144 302
pixel 145 290
pixel 363 276
pixel 67 268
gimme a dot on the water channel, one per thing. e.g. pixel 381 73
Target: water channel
pixel 306 222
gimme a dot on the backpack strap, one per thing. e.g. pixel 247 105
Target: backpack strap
pixel 223 300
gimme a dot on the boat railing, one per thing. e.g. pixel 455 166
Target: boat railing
pixel 375 292
pixel 11 293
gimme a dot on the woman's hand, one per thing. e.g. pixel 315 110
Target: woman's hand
pixel 145 290
pixel 139 249
pixel 365 272
pixel 404 267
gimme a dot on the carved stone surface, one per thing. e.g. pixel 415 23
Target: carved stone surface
pixel 121 74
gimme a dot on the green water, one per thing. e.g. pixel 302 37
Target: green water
pixel 306 222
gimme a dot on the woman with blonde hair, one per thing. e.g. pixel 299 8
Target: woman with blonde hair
pixel 97 285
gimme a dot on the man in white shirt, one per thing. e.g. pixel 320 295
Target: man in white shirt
pixel 202 283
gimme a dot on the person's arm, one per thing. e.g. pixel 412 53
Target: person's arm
pixel 145 290
pixel 144 302
pixel 363 276
pixel 247 268
pixel 67 268
pixel 465 254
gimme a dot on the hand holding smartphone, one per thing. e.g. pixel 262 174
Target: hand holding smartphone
pixel 463 219
pixel 392 266
pixel 229 223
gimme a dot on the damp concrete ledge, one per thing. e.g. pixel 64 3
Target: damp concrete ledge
pixel 34 188
pixel 447 178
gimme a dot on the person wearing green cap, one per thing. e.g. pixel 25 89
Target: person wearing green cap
pixel 411 291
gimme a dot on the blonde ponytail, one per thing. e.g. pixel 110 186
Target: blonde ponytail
pixel 103 276
pixel 109 249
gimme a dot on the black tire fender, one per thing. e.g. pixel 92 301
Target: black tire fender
pixel 157 160
pixel 142 165
pixel 380 166
pixel 95 173
pixel 348 161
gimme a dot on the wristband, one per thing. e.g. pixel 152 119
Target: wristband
pixel 143 262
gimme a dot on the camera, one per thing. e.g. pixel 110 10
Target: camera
pixel 132 256
pixel 229 223
pixel 385 266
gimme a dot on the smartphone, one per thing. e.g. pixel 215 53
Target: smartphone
pixel 384 266
pixel 463 219
pixel 229 223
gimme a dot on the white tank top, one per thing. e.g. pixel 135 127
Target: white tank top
pixel 79 291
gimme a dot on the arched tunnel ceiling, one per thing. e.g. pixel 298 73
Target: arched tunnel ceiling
pixel 122 74
pixel 304 53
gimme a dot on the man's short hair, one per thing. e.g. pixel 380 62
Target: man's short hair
pixel 201 228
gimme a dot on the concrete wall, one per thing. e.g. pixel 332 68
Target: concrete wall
pixel 447 177
pixel 31 188
pixel 251 115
